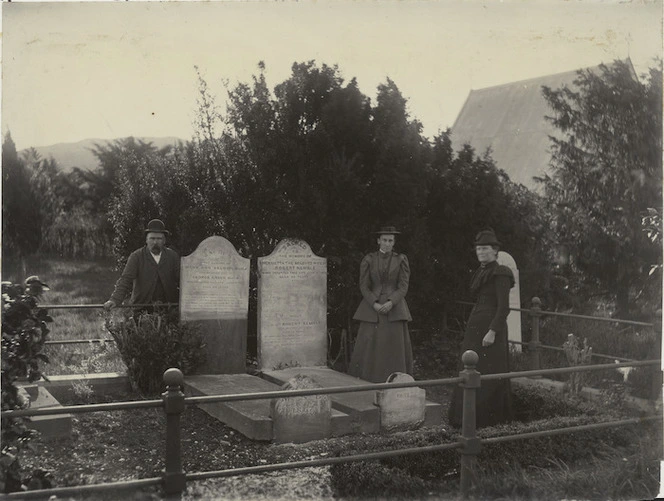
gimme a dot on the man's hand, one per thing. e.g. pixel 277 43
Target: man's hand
pixel 109 304
pixel 489 338
pixel 377 307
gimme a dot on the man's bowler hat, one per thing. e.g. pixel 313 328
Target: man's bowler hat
pixel 156 226
pixel 387 230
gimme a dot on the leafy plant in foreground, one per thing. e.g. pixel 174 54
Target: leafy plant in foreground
pixel 24 332
pixel 150 343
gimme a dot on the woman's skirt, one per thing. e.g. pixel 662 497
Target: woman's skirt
pixel 381 349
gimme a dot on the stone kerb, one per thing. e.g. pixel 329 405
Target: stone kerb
pixel 214 292
pixel 514 318
pixel 292 307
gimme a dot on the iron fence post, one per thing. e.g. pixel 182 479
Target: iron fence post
pixel 656 382
pixel 470 443
pixel 535 344
pixel 174 480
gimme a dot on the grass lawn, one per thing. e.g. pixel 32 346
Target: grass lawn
pixel 73 282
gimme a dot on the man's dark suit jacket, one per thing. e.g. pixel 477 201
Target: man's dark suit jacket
pixel 140 277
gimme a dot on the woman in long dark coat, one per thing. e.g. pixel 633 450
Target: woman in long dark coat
pixel 383 342
pixel 486 334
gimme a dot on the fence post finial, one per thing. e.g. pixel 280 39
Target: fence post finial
pixel 470 443
pixel 174 479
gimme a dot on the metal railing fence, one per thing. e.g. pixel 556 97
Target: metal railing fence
pixel 173 480
pixel 535 346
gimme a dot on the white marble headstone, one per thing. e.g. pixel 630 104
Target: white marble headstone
pixel 292 307
pixel 514 317
pixel 214 291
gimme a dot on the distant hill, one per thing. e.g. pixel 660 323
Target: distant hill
pixel 70 155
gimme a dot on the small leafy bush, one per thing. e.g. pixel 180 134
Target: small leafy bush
pixel 24 332
pixel 150 343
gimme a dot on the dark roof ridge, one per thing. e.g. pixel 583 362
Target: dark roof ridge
pixel 546 77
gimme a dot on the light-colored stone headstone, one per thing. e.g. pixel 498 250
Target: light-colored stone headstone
pixel 301 419
pixel 401 407
pixel 214 292
pixel 514 317
pixel 292 307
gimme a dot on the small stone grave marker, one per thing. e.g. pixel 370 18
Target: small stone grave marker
pixel 214 292
pixel 401 407
pixel 292 307
pixel 301 419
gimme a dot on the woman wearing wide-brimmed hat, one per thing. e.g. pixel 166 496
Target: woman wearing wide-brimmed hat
pixel 486 334
pixel 383 343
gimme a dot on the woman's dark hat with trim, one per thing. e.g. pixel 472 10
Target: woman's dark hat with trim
pixel 156 226
pixel 387 230
pixel 486 237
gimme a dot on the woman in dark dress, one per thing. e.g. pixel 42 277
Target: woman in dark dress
pixel 383 343
pixel 486 334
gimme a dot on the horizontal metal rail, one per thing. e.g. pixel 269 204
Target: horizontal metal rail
pixel 143 404
pixel 97 306
pixel 469 303
pixel 568 370
pixel 82 489
pixel 548 347
pixel 570 315
pixel 79 409
pixel 557 348
pixel 321 391
pixel 369 456
pixel 572 429
pixel 79 341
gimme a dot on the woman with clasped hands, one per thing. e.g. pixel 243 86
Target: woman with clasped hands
pixel 486 334
pixel 383 343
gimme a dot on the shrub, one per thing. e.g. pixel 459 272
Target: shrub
pixel 150 343
pixel 24 332
pixel 505 468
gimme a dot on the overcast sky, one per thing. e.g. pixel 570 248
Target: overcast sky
pixel 105 70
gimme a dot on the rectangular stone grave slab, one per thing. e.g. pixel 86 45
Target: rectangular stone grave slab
pixel 292 307
pixel 250 417
pixel 53 426
pixel 214 293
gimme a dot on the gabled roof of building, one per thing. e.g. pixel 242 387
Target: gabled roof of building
pixel 509 119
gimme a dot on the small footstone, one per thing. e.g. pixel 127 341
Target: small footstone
pixel 401 407
pixel 301 419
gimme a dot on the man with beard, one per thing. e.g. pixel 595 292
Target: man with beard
pixel 152 273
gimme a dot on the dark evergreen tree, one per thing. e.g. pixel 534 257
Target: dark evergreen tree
pixel 21 224
pixel 606 172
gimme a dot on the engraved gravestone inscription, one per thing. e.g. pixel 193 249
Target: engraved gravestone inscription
pixel 214 292
pixel 292 307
